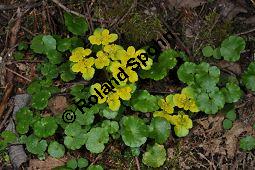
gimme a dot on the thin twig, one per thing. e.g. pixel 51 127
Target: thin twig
pixel 137 163
pixel 115 24
pixel 67 9
pixel 27 30
pixel 14 72
pixel 6 116
pixel 76 13
pixel 7 94
pixel 246 32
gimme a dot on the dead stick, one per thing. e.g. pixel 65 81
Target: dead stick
pixel 7 94
pixel 18 74
pixel 67 9
pixel 137 163
pixel 246 32
pixel 6 116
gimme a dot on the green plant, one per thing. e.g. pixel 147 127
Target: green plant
pixel 56 150
pixel 249 77
pixel 155 156
pixel 247 143
pixel 230 49
pixel 7 138
pixel 121 111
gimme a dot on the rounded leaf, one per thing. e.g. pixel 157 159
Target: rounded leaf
pixel 134 131
pixel 247 143
pixel 159 129
pixel 97 137
pixel 56 150
pixel 45 127
pixel 207 51
pixel 155 156
pixel 227 124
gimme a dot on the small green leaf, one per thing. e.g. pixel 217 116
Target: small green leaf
pixel 76 25
pixel 64 44
pixel 95 167
pixel 232 92
pixel 76 136
pixel 159 70
pixel 135 151
pixel 144 102
pixel 72 164
pixel 82 163
pixel 227 124
pixel 97 137
pixel 216 53
pixel 155 156
pixel 76 42
pixel 111 126
pixel 18 55
pixel 8 136
pixel 249 77
pixel 22 46
pixel 109 114
pixel 232 47
pixel 207 51
pixel 231 115
pixel 49 43
pixel 49 70
pixel 42 44
pixel 54 56
pixel 37 44
pixel 212 102
pixel 45 127
pixel 56 150
pixel 66 73
pixel 186 72
pixel 36 146
pixel 22 125
pixel 247 143
pixel 40 99
pixel 159 129
pixel 134 131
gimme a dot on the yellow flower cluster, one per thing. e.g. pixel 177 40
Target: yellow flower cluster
pixel 111 56
pixel 113 96
pixel 185 101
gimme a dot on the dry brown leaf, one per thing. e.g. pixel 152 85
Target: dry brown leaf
pixel 47 164
pixel 232 137
pixel 58 104
pixel 216 123
pixel 213 147
pixel 233 67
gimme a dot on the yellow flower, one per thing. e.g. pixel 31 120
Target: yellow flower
pixel 85 67
pixel 79 53
pixel 102 36
pixel 124 92
pixel 182 120
pixel 139 56
pixel 96 89
pixel 163 114
pixel 182 124
pixel 183 101
pixel 116 52
pixel 167 105
pixel 113 101
pixel 102 60
pixel 131 75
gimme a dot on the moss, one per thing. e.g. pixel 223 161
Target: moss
pixel 137 27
